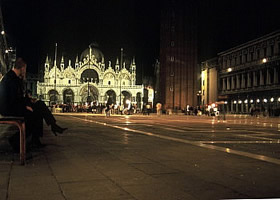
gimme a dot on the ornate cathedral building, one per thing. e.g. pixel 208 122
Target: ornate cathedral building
pixel 90 80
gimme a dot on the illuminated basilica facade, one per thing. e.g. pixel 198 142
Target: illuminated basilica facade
pixel 89 80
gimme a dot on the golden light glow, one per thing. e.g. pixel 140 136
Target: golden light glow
pixel 229 69
pixel 264 60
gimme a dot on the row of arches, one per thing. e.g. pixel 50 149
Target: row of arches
pixel 91 95
pixel 90 75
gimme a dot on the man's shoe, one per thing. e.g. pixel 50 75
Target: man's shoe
pixel 57 129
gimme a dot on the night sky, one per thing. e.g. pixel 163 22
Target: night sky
pixel 34 26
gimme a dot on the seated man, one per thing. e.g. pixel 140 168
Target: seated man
pixel 13 103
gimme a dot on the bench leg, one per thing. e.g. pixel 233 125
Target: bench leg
pixel 22 144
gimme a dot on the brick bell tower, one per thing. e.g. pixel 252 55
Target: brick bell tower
pixel 178 54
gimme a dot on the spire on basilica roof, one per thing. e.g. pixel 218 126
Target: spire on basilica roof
pixel 47 59
pixel 77 59
pixel 77 62
pixel 102 61
pixel 62 63
pixel 117 67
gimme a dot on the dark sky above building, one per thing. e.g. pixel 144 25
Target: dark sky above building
pixel 34 26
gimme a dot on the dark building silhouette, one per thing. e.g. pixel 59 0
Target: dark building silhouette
pixel 178 54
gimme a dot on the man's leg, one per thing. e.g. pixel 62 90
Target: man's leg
pixel 34 127
pixel 41 109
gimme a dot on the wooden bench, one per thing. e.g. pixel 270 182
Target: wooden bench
pixel 20 123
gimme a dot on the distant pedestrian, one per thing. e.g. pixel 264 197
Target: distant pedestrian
pixel 148 107
pixel 109 106
pixel 158 107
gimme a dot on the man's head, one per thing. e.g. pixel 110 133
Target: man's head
pixel 20 68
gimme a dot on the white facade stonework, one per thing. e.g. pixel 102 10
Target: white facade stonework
pixel 89 80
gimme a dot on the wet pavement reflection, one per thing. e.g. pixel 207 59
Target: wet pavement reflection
pixel 190 130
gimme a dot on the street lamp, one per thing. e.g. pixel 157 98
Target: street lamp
pixel 55 56
pixel 120 77
pixel 199 98
pixel 229 69
pixel 88 78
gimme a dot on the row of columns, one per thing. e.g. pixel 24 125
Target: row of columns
pixel 245 107
pixel 233 82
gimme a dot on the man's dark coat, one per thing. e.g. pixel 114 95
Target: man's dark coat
pixel 12 101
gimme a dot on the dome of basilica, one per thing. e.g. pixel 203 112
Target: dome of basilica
pixel 94 51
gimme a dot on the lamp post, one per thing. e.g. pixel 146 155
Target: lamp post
pixel 10 57
pixel 88 79
pixel 55 55
pixel 120 77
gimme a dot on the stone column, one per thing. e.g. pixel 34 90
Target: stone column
pixel 237 81
pixel 249 80
pixel 242 107
pixel 261 78
pixel 275 77
pixel 231 102
pixel 268 81
pixel 254 79
pixel 224 84
pixel 242 81
pixel 228 83
pixel 232 83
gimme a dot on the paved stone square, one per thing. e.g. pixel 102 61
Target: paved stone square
pixel 148 157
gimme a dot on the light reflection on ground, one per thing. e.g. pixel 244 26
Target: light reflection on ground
pixel 258 136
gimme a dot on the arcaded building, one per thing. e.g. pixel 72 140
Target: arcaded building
pixel 249 75
pixel 89 79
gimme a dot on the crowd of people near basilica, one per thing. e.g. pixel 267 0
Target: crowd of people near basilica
pixel 97 108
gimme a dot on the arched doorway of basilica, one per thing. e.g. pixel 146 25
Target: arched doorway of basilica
pixel 53 97
pixel 89 94
pixel 89 75
pixel 68 96
pixel 126 96
pixel 111 94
